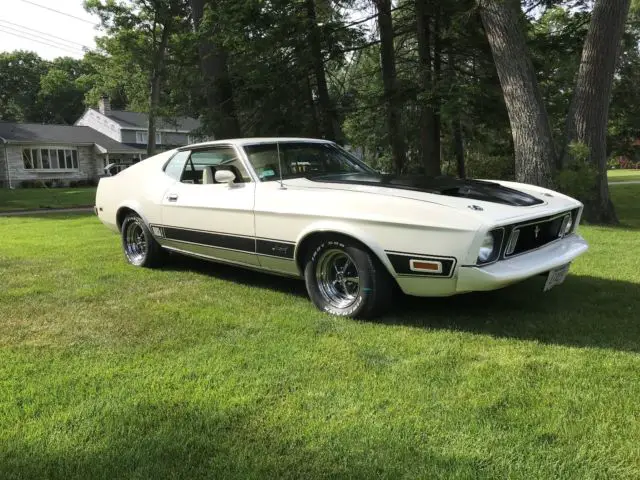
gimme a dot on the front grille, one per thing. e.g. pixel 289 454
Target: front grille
pixel 535 234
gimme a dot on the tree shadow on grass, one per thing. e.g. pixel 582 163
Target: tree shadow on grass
pixel 183 263
pixel 583 312
pixel 165 440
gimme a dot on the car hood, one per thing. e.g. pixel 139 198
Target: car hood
pixel 494 202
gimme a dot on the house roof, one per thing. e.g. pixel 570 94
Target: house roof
pixel 61 134
pixel 139 121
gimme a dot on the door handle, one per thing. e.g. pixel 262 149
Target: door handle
pixel 172 197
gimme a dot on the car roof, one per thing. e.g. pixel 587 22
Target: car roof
pixel 258 140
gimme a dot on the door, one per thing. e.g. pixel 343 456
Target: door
pixel 204 217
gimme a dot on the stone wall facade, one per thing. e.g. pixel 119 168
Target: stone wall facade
pixel 89 166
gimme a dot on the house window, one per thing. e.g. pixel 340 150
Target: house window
pixel 50 158
pixel 143 137
pixel 27 159
pixel 191 139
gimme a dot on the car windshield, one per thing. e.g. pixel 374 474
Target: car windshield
pixel 301 159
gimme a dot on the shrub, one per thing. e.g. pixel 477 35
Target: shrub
pixel 627 163
pixel 578 179
pixel 613 163
pixel 479 165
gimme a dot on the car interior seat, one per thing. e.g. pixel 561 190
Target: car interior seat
pixel 208 175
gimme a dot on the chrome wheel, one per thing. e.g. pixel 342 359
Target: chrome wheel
pixel 338 278
pixel 135 243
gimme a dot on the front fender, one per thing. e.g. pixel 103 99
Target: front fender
pixel 337 226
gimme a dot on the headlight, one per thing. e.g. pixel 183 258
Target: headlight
pixel 569 225
pixel 487 248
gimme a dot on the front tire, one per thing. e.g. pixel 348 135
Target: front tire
pixel 344 278
pixel 140 248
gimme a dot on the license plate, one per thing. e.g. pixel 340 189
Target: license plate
pixel 556 277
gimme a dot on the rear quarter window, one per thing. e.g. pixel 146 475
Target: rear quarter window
pixel 175 166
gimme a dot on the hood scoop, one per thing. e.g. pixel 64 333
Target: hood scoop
pixel 449 186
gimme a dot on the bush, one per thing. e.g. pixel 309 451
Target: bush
pixel 627 163
pixel 578 179
pixel 479 165
pixel 43 183
pixel 613 163
pixel 83 183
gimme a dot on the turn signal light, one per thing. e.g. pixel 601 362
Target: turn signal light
pixel 425 266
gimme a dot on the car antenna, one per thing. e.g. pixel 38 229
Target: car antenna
pixel 282 187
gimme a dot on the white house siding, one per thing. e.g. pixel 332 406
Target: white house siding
pixel 88 168
pixel 102 124
pixel 129 136
pixel 3 170
pixel 168 138
pixel 174 138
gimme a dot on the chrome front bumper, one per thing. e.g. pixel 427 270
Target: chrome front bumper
pixel 527 265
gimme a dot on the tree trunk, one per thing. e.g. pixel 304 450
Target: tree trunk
pixel 326 110
pixel 456 123
pixel 429 150
pixel 156 85
pixel 589 110
pixel 390 83
pixel 315 129
pixel 215 70
pixel 154 101
pixel 535 154
pixel 437 70
pixel 458 147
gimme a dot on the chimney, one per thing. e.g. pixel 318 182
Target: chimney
pixel 104 105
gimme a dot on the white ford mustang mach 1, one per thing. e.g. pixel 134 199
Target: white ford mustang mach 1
pixel 307 208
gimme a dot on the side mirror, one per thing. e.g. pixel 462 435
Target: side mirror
pixel 225 176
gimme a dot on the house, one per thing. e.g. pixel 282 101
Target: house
pixel 34 153
pixel 130 128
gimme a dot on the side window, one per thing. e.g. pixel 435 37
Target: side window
pixel 176 165
pixel 203 164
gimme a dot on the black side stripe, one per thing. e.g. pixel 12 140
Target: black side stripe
pixel 274 248
pixel 243 244
pixel 260 246
pixel 401 264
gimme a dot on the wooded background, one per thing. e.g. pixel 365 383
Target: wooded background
pixel 543 92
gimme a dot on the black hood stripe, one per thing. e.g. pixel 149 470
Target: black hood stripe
pixel 449 186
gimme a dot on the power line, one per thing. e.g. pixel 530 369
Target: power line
pixel 58 46
pixel 32 36
pixel 59 12
pixel 39 32
pixel 43 37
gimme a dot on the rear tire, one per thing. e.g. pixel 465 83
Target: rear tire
pixel 140 248
pixel 344 278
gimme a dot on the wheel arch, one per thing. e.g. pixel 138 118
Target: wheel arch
pixel 323 229
pixel 127 208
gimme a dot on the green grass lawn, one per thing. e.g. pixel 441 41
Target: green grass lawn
pixel 197 370
pixel 32 198
pixel 623 175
